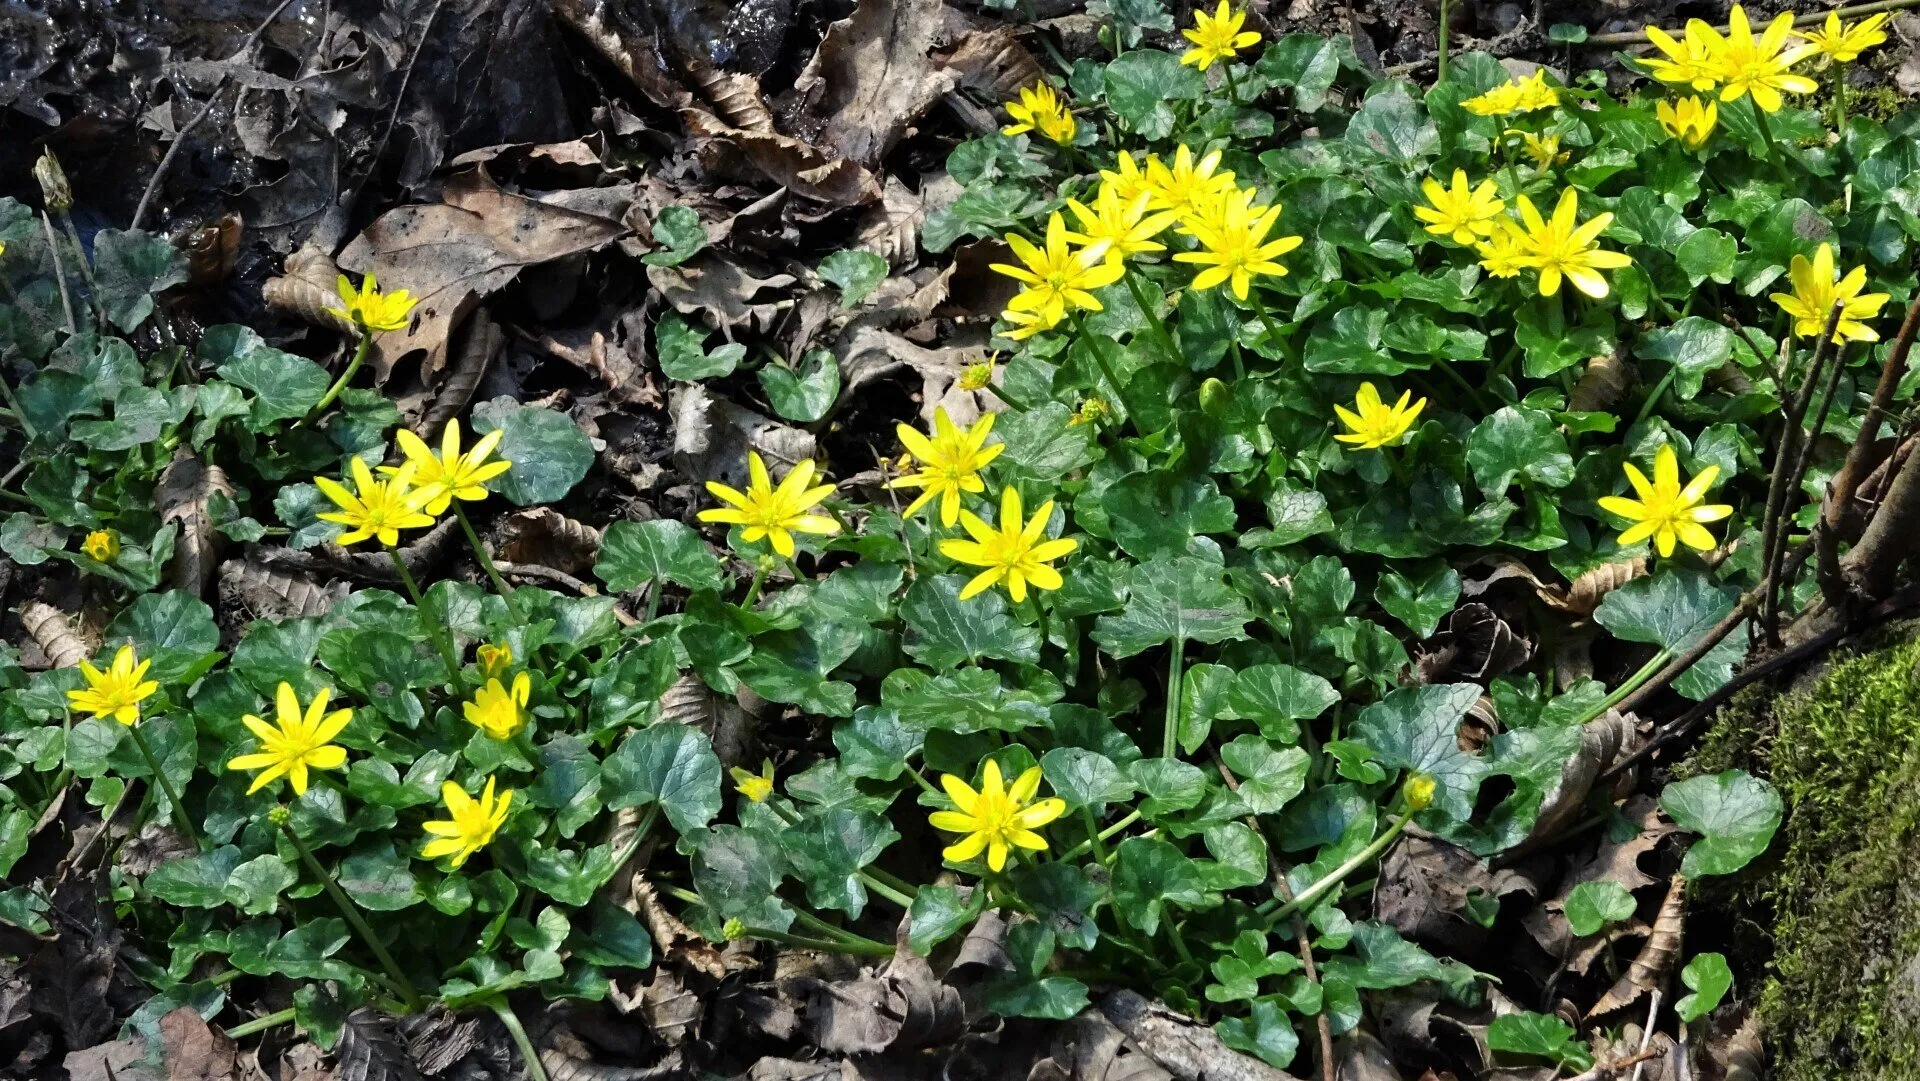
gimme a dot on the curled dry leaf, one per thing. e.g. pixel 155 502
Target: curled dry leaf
pixel 1602 741
pixel 1423 891
pixel 634 55
pixel 484 340
pixel 1605 379
pixel 674 939
pixel 181 496
pixel 810 172
pixel 714 284
pixel 307 291
pixel 1591 587
pixel 212 249
pixel 155 844
pixel 736 96
pixel 993 64
pixel 1744 1057
pixel 195 1052
pixel 1657 956
pixel 891 228
pixel 1185 1048
pixel 691 702
pixel 370 1049
pixel 1362 1057
pixel 903 1009
pixel 545 536
pixel 711 437
pixel 268 592
pixel 48 626
pixel 872 77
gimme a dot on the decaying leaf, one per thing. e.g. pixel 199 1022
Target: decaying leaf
pixel 181 496
pixel 635 56
pixel 993 64
pixel 735 95
pixel 1476 642
pixel 120 1060
pixel 1602 383
pixel 1091 1048
pixel 714 284
pixel 1423 891
pixel 1744 1057
pixel 484 340
pixel 674 939
pixel 1602 741
pixel 155 844
pixel 264 591
pixel 891 227
pixel 872 77
pixel 1656 958
pixel 1362 1057
pixel 545 536
pixel 902 1008
pixel 1185 1048
pixel 195 1052
pixel 806 170
pixel 371 1049
pixel 49 627
pixel 873 353
pixel 1590 588
pixel 711 437
pixel 691 702
pixel 669 1009
pixel 307 291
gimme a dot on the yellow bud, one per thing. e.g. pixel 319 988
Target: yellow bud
pixel 1419 791
pixel 755 786
pixel 976 376
pixel 494 660
pixel 101 545
pixel 733 930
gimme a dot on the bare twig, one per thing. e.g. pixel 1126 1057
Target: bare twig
pixel 1639 37
pixel 1775 579
pixel 1774 524
pixel 60 272
pixel 1646 1033
pixel 549 574
pixel 1846 483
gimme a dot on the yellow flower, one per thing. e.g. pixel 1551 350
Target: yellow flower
pixel 494 660
pixel 442 478
pixel 1186 184
pixel 1014 550
pixel 755 786
pixel 1689 120
pixel 1460 212
pixel 1235 248
pixel 472 825
pixel 1058 279
pixel 1026 323
pixel 1090 411
pixel 1041 109
pixel 1372 424
pixel 1760 67
pixel 1560 247
pixel 996 818
pixel 774 513
pixel 950 462
pixel 1520 96
pixel 1693 62
pixel 1419 789
pixel 1845 43
pixel 1543 149
pixel 1666 511
pixel 976 376
pixel 381 509
pixel 300 743
pixel 1817 287
pixel 370 309
pixel 1125 178
pixel 118 691
pixel 1216 38
pixel 1503 254
pixel 101 545
pixel 495 711
pixel 1125 228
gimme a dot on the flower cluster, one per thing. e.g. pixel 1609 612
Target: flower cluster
pixel 1560 247
pixel 1738 64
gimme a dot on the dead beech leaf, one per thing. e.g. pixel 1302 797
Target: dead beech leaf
pixel 545 536
pixel 262 591
pixel 1185 1048
pixel 454 254
pixel 309 290
pixel 805 169
pixel 1602 740
pixel 873 353
pixel 691 702
pixel 181 496
pixel 634 55
pixel 48 626
pixel 712 283
pixel 1656 957
pixel 1605 379
pixel 735 95
pixel 1423 891
pixel 871 77
pixel 1090 1048
pixel 484 340
pixel 195 1052
pixel 711 437
pixel 891 228
pixel 120 1060
pixel 1592 586
pixel 993 64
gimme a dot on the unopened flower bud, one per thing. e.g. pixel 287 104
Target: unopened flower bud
pixel 733 930
pixel 279 815
pixel 101 545
pixel 1419 791
pixel 53 183
pixel 976 376
pixel 1214 397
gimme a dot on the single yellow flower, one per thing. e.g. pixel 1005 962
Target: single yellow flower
pixel 1216 38
pixel 1014 550
pixel 1041 109
pixel 1234 244
pixel 381 509
pixel 774 513
pixel 1519 96
pixel 101 545
pixel 1842 43
pixel 755 786
pixel 1186 183
pixel 976 376
pixel 116 692
pixel 472 825
pixel 1693 61
pixel 1543 149
pixel 1562 248
pixel 1127 228
pixel 1817 287
pixel 995 819
pixel 1026 323
pixel 1760 67
pixel 1461 212
pixel 441 478
pixel 1666 511
pixel 1503 254
pixel 1125 178
pixel 370 309
pixel 1057 280
pixel 303 741
pixel 950 462
pixel 497 712
pixel 1690 120
pixel 494 661
pixel 1419 789
pixel 1372 424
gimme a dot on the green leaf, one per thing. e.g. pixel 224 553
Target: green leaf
pixel 196 881
pixel 1693 345
pixel 635 553
pixel 671 764
pixel 299 506
pixel 1414 728
pixel 1173 600
pixel 548 450
pixel 736 872
pixel 174 629
pixel 615 939
pixel 1149 876
pixel 1518 442
pixel 1064 899
pixel 1592 905
pixel 1131 18
pixel 379 879
pixel 943 631
pixel 55 397
pixel 284 386
pixel 1422 600
pixel 1394 126
pixel 1707 253
pixel 254 888
pixel 139 414
pixel 875 744
pixel 937 914
pixel 1735 815
pixel 1672 608
pixel 1085 778
pixel 1277 696
pixel 856 272
pixel 806 391
pixel 26 540
pixel 1169 785
pixel 1309 63
pixel 569 782
pixel 1539 1035
pixel 1270 776
pixel 964 701
pixel 1042 446
pixel 1296 513
pixel 129 267
pixel 1140 84
pixel 1265 1034
pixel 1054 998
pixel 1158 514
pixel 828 849
pixel 681 348
pixel 1709 978
pixel 678 230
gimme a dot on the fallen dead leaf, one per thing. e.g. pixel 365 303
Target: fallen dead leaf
pixel 805 169
pixel 872 77
pixel 713 284
pixel 181 496
pixel 195 1052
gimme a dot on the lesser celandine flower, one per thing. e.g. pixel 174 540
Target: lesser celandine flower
pixel 1842 43
pixel 101 545
pixel 1372 424
pixel 1817 287
pixel 494 660
pixel 441 478
pixel 1216 38
pixel 371 309
pixel 1666 511
pixel 1759 66
pixel 1126 228
pixel 1182 186
pixel 1125 178
pixel 1693 61
pixel 773 513
pixel 1543 149
pixel 1503 254
pixel 1518 96
pixel 1057 279
pixel 381 509
pixel 116 692
pixel 1562 247
pixel 297 742
pixel 1234 244
pixel 1462 212
pixel 996 819
pixel 1689 120
pixel 498 712
pixel 755 786
pixel 1041 109
pixel 1026 324
pixel 1014 550
pixel 950 462
pixel 471 823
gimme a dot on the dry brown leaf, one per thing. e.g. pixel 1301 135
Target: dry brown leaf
pixel 1187 1049
pixel 1423 891
pixel 635 56
pixel 891 228
pixel 121 1060
pixel 993 64
pixel 714 284
pixel 49 627
pixel 1592 586
pixel 872 77
pixel 263 591
pixel 1605 379
pixel 711 437
pixel 1090 1048
pixel 1656 958
pixel 195 1052
pixel 1602 741
pixel 1745 1056
pixel 181 496
pixel 691 702
pixel 736 96
pixel 484 340
pixel 1362 1057
pixel 308 290
pixel 545 536
pixel 674 939
pixel 806 169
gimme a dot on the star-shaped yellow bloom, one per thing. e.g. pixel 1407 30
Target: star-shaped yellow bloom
pixel 1843 43
pixel 1372 424
pixel 1563 248
pixel 101 546
pixel 1125 178
pixel 1760 67
pixel 1234 244
pixel 1461 212
pixel 755 786
pixel 370 309
pixel 116 692
pixel 1185 184
pixel 1503 254
pixel 493 660
pixel 381 509
pixel 303 740
pixel 950 462
pixel 498 712
pixel 1817 287
pixel 995 819
pixel 1014 550
pixel 1665 511
pixel 1544 150
pixel 1126 228
pixel 1519 96
pixel 1041 109
pixel 1057 280
pixel 1216 38
pixel 441 478
pixel 774 513
pixel 1690 120
pixel 1026 323
pixel 1692 61
pixel 472 823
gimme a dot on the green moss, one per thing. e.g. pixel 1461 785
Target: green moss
pixel 1845 754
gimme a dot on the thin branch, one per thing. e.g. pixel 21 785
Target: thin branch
pixel 1773 525
pixel 1846 483
pixel 1775 579
pixel 60 272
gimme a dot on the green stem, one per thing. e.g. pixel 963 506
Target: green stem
pixel 921 780
pixel 86 270
pixel 1099 351
pixel 1653 397
pixel 1311 895
pixel 1179 943
pixel 760 570
pixel 1840 100
pixel 1479 401
pixel 1233 88
pixel 1093 834
pixel 1773 148
pixel 1446 10
pixel 1130 819
pixel 819 944
pixel 480 550
pixel 352 913
pixel 1154 322
pixel 1632 684
pixel 1011 402
pixel 13 406
pixel 180 820
pixel 259 1024
pixel 535 1071
pixel 1169 741
pixel 353 367
pixel 1039 617
pixel 893 889
pixel 840 934
pixel 419 602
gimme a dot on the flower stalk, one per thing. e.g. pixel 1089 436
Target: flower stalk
pixel 351 911
pixel 480 552
pixel 180 820
pixel 437 632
